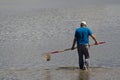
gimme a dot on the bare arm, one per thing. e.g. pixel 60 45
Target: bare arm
pixel 94 38
pixel 74 42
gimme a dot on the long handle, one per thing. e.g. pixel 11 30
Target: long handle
pixel 58 51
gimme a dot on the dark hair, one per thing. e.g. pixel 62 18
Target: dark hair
pixel 82 25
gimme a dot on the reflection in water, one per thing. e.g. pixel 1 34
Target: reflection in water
pixel 83 75
pixel 66 74
pixel 47 75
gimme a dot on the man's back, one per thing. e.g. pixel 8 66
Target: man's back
pixel 82 35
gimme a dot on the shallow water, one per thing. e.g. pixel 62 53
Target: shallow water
pixel 27 33
pixel 30 29
pixel 60 74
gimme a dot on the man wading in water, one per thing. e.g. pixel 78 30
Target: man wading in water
pixel 82 38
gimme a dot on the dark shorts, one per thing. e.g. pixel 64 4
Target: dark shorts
pixel 83 51
pixel 83 54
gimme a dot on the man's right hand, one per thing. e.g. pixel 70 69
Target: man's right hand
pixel 96 43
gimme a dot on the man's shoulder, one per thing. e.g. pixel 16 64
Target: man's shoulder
pixel 77 28
pixel 87 28
pixel 82 28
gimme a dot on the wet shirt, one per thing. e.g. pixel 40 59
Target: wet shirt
pixel 82 35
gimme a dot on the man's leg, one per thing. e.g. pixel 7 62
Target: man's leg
pixel 80 54
pixel 86 53
pixel 81 61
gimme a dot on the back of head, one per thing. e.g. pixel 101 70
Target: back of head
pixel 83 23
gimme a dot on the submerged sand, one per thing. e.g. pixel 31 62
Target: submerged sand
pixel 62 73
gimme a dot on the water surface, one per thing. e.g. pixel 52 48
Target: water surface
pixel 26 32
